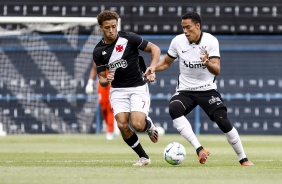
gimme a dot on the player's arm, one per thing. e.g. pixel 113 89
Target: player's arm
pixel 89 89
pixel 211 59
pixel 103 79
pixel 155 55
pixel 212 64
pixel 164 63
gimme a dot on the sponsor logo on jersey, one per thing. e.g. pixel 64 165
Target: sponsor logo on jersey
pixel 194 64
pixel 116 60
pixel 216 100
pixel 121 63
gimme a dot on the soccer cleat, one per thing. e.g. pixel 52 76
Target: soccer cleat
pixel 142 162
pixel 203 156
pixel 246 162
pixel 109 136
pixel 152 131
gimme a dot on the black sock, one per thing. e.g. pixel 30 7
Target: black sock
pixel 243 160
pixel 199 149
pixel 147 125
pixel 134 143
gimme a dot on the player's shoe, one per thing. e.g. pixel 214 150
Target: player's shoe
pixel 152 131
pixel 203 156
pixel 110 136
pixel 142 162
pixel 246 162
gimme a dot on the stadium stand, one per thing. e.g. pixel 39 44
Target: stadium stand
pixel 150 17
pixel 250 80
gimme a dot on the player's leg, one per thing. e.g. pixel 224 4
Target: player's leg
pixel 140 105
pixel 109 118
pixel 106 111
pixel 131 139
pixel 179 106
pixel 213 105
pixel 232 136
pixel 120 100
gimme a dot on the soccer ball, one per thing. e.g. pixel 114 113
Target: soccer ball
pixel 174 153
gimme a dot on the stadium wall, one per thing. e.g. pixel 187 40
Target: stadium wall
pixel 250 83
pixel 158 17
pixel 249 32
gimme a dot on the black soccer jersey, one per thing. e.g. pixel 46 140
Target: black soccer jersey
pixel 121 57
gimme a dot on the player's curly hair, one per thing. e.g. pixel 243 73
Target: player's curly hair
pixel 107 15
pixel 194 16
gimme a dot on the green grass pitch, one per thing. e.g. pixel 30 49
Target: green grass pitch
pixel 73 159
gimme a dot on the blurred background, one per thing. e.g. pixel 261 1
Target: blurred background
pixel 44 70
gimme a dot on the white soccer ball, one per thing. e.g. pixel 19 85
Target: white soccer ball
pixel 174 153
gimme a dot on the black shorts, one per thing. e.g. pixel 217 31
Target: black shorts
pixel 209 100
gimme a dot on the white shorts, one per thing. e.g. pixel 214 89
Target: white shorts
pixel 130 99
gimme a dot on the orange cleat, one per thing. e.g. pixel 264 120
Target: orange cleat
pixel 203 156
pixel 246 162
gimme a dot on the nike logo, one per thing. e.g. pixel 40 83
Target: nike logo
pixel 184 51
pixel 218 103
pixel 169 149
pixel 104 53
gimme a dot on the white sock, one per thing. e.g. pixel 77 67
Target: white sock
pixel 235 141
pixel 185 129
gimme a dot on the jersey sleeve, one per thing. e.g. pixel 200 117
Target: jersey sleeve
pixel 138 41
pixel 214 49
pixel 172 50
pixel 97 58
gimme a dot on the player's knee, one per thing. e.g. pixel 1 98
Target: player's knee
pixel 176 109
pixel 138 126
pixel 220 117
pixel 123 126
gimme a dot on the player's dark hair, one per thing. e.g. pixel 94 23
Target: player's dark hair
pixel 107 15
pixel 194 16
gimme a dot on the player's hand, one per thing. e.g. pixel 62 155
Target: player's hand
pixel 89 89
pixel 110 77
pixel 205 58
pixel 150 74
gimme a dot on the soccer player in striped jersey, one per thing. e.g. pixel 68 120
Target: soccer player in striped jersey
pixel 118 52
pixel 199 63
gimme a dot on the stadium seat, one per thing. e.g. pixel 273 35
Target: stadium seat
pixel 246 11
pixel 227 10
pixel 27 10
pixel 191 7
pixel 210 10
pixel 149 10
pixel 126 27
pixel 55 10
pixel 74 11
pixel 124 10
pixel 14 10
pixel 171 10
pixel 266 11
pixel 93 10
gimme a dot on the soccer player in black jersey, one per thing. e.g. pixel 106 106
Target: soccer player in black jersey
pixel 118 52
pixel 199 63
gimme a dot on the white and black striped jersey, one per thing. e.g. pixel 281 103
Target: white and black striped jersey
pixel 121 57
pixel 194 76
